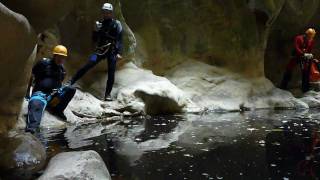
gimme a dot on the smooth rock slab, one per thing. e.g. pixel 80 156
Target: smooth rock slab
pixel 84 165
pixel 218 89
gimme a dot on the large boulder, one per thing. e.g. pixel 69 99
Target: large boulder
pixel 142 90
pixel 76 165
pixel 86 105
pixel 22 155
pixel 217 89
pixel 17 54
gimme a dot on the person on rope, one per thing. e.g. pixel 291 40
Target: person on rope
pixel 48 91
pixel 108 38
pixel 302 56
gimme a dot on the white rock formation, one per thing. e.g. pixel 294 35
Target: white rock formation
pixel 85 165
pixel 217 89
pixel 141 90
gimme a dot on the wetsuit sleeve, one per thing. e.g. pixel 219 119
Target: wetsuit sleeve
pixel 119 42
pixel 298 43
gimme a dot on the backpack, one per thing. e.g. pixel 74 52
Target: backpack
pixel 314 72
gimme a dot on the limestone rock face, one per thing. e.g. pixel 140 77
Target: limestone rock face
pixel 231 34
pixel 41 14
pixel 16 54
pixel 76 165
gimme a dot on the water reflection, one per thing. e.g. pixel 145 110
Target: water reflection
pixel 293 150
pixel 156 126
pixel 253 145
pixel 54 141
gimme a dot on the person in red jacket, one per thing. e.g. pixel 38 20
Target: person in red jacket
pixel 303 46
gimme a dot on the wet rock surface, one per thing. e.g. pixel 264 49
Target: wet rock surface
pixel 311 98
pixel 22 156
pixel 82 165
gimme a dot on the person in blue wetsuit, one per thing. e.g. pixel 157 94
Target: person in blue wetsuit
pixel 108 38
pixel 48 91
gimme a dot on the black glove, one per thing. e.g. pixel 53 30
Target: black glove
pixel 27 97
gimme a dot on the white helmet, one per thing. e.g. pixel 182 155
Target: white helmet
pixel 107 7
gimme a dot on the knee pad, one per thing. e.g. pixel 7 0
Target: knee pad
pixel 37 104
pixel 93 58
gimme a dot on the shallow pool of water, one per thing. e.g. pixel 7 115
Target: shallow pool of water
pixel 252 145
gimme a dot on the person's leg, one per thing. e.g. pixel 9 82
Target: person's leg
pixel 64 95
pixel 112 63
pixel 36 106
pixel 93 60
pixel 305 86
pixel 288 74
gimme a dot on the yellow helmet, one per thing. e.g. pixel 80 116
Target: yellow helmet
pixel 311 31
pixel 60 50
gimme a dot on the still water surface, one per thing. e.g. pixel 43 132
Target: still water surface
pixel 254 145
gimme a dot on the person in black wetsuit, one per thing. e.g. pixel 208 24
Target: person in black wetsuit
pixel 108 37
pixel 48 91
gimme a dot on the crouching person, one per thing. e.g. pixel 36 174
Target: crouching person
pixel 48 91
